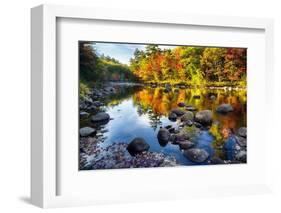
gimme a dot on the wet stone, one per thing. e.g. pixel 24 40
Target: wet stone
pixel 137 145
pixel 224 108
pixel 87 131
pixel 196 155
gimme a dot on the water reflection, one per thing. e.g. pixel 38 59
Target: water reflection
pixel 140 111
pixel 159 103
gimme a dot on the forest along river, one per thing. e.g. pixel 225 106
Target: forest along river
pixel 141 111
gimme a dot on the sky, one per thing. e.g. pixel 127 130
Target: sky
pixel 121 52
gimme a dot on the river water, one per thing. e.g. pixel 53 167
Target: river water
pixel 139 111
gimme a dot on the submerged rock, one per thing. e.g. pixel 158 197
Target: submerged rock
pixel 137 145
pixel 186 144
pixel 224 108
pixel 196 155
pixel 87 131
pixel 204 117
pixel 100 117
pixel 172 116
pixel 178 112
pixel 163 135
pixel 187 116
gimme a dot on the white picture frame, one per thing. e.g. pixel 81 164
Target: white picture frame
pixel 44 155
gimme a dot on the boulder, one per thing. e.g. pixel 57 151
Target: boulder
pixel 196 155
pixel 224 108
pixel 84 115
pixel 172 116
pixel 187 116
pixel 87 131
pixel 242 131
pixel 100 117
pixel 204 117
pixel 186 144
pixel 137 145
pixel 181 104
pixel 163 135
pixel 178 112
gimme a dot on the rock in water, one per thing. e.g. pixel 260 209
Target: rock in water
pixel 186 144
pixel 196 155
pixel 178 112
pixel 87 131
pixel 163 135
pixel 172 116
pixel 224 108
pixel 188 116
pixel 100 117
pixel 204 117
pixel 242 131
pixel 181 104
pixel 137 145
pixel 168 126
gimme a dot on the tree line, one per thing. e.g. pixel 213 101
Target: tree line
pixel 182 64
pixel 191 65
pixel 98 68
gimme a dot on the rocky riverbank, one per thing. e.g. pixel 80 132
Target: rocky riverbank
pixel 192 124
pixel 117 155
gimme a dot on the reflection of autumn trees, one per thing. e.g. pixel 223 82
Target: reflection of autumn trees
pixel 162 103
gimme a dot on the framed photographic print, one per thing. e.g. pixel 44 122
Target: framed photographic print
pixel 130 106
